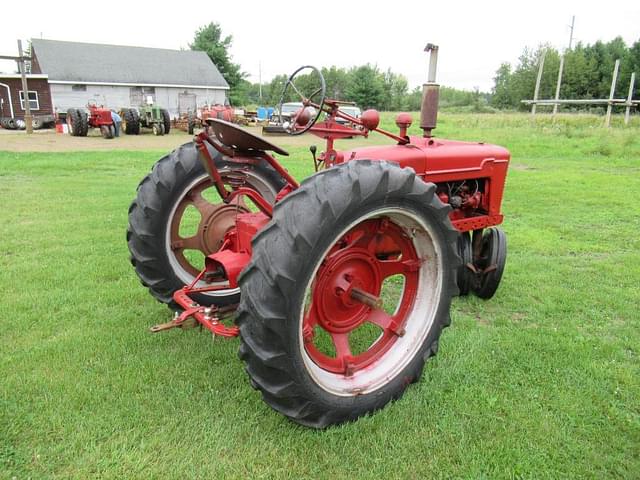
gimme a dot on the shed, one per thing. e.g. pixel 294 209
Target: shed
pixel 12 97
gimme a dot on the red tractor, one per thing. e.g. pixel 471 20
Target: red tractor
pixel 339 286
pixel 98 117
pixel 220 112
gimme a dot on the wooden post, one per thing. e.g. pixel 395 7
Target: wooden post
pixel 555 105
pixel 27 107
pixel 537 89
pixel 629 98
pixel 607 121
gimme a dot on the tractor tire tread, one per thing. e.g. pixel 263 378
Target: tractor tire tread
pixel 166 120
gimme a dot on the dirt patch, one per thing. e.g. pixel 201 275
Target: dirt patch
pixel 482 321
pixel 50 141
pixel 521 167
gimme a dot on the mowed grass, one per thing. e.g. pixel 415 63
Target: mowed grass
pixel 542 381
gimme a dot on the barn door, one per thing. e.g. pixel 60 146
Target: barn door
pixel 186 103
pixel 138 95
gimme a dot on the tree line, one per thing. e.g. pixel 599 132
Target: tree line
pixel 587 74
pixel 366 85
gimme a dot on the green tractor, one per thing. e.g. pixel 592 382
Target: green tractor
pixel 147 116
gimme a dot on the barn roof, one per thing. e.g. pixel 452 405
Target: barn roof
pixel 92 62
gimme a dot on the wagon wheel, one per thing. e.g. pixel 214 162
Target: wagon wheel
pixel 354 295
pixel 304 119
pixel 176 219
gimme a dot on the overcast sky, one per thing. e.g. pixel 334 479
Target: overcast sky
pixel 474 37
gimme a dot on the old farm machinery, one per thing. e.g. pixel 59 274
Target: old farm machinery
pixel 149 116
pixel 79 121
pixel 338 286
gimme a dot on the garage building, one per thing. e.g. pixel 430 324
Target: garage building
pixel 119 76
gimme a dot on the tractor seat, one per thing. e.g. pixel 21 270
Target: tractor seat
pixel 238 138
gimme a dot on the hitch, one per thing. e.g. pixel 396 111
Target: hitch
pixel 211 317
pixel 176 322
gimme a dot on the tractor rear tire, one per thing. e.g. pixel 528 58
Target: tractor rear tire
pixel 166 120
pixel 131 121
pixel 299 259
pixel 172 180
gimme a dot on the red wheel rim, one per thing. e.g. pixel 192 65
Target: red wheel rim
pixel 345 295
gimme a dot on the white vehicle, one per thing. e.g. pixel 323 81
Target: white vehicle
pixel 279 123
pixel 350 110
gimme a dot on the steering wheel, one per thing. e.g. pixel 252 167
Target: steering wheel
pixel 311 105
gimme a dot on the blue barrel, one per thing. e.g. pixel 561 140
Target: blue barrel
pixel 262 113
pixel 269 112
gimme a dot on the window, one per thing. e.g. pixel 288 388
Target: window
pixel 78 88
pixel 33 100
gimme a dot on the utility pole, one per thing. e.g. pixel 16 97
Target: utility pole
pixel 27 107
pixel 555 105
pixel 260 80
pixel 573 21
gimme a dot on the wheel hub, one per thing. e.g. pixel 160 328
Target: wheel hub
pixel 346 270
pixel 218 221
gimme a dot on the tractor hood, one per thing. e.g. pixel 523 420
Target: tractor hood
pixel 432 155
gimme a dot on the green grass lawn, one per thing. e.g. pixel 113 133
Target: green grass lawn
pixel 542 381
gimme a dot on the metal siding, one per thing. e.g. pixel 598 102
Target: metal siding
pixel 110 96
pixel 115 97
pixel 169 98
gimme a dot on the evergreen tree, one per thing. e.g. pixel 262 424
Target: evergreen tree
pixel 209 39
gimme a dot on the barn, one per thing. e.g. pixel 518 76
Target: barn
pixel 119 76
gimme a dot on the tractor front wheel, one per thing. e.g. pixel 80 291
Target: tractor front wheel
pixel 465 275
pixel 347 292
pixel 107 131
pixel 177 218
pixel 491 262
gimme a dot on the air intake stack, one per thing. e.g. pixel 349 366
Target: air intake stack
pixel 430 93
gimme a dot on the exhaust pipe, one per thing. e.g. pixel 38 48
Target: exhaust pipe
pixel 430 94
